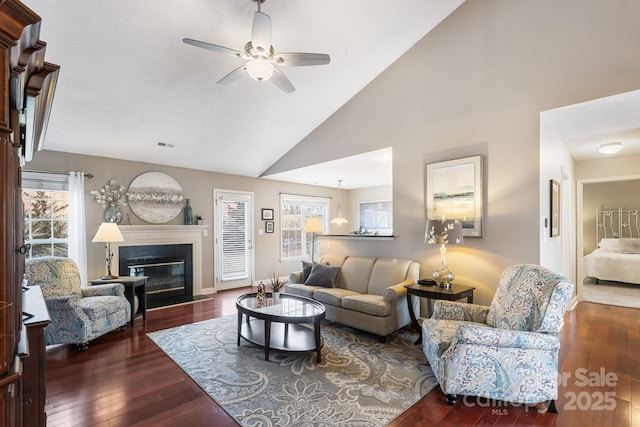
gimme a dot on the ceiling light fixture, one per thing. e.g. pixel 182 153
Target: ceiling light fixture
pixel 259 69
pixel 610 147
pixel 339 219
pixel 262 62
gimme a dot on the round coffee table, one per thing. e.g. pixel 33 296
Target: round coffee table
pixel 286 323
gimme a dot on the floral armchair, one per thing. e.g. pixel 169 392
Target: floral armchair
pixel 508 351
pixel 78 314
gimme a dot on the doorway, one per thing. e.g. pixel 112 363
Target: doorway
pixel 234 253
pixel 602 193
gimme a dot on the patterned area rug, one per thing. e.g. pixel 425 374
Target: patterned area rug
pixel 360 382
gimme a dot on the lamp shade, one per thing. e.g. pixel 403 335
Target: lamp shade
pixel 443 232
pixel 313 225
pixel 108 232
pixel 339 220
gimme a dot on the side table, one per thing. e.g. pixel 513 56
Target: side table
pixel 133 286
pixel 454 293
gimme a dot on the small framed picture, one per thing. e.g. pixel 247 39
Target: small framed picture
pixel 267 214
pixel 268 226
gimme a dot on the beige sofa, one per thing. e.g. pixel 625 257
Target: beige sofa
pixel 369 292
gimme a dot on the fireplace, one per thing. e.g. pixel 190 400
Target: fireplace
pixel 169 269
pixel 186 236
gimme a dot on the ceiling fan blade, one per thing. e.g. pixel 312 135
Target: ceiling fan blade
pixel 215 48
pixel 280 80
pixel 301 59
pixel 261 33
pixel 234 75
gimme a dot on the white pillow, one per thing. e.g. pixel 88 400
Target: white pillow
pixel 630 246
pixel 609 244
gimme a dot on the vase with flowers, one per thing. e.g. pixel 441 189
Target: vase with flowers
pixel 111 196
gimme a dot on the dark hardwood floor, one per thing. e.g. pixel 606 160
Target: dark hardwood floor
pixel 123 379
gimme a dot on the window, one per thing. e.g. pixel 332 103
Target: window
pixel 294 210
pixel 375 217
pixel 235 224
pixel 45 200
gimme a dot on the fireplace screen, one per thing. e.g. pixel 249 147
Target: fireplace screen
pixel 169 271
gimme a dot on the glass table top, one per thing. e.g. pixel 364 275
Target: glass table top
pixel 285 306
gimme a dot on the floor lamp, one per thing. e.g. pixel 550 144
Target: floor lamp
pixel 313 226
pixel 107 233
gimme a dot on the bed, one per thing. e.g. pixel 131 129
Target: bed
pixel 617 255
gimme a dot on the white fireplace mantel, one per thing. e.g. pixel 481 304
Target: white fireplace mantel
pixel 140 235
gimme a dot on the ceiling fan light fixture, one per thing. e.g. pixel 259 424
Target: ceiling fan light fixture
pixel 610 147
pixel 261 56
pixel 259 69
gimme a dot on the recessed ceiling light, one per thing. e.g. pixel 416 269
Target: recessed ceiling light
pixel 610 147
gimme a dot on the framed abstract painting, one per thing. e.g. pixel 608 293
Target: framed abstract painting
pixel 454 191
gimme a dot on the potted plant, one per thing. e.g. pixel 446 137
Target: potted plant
pixel 277 284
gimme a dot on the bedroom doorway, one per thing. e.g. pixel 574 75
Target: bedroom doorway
pixel 603 193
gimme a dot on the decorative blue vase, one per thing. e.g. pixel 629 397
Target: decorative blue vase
pixel 188 213
pixel 113 214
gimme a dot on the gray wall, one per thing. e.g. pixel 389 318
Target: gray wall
pixel 477 85
pixel 198 186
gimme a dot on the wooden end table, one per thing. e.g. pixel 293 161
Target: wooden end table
pixel 133 286
pixel 433 292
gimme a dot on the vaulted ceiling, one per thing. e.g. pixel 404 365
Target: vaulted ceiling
pixel 128 82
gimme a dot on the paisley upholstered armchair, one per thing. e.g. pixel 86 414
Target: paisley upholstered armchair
pixel 508 351
pixel 78 314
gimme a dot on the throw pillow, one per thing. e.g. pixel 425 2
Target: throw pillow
pixel 306 270
pixel 608 244
pixel 630 246
pixel 323 275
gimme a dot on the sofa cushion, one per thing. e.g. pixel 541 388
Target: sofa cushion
pixel 332 296
pixel 367 303
pixel 323 275
pixel 301 290
pixel 355 274
pixel 387 272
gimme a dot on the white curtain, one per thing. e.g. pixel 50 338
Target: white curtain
pixel 77 229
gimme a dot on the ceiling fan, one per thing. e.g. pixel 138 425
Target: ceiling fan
pixel 262 62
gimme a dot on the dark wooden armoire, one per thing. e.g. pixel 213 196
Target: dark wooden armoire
pixel 27 85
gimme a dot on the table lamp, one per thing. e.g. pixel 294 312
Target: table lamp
pixel 108 232
pixel 313 226
pixel 442 232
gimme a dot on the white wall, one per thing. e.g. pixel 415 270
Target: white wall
pixel 557 253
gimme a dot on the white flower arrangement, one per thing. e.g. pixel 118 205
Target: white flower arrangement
pixel 164 198
pixel 111 194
